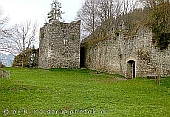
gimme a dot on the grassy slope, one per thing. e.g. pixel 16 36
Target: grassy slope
pixel 78 90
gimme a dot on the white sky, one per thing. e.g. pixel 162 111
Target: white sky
pixel 36 10
pixel 20 11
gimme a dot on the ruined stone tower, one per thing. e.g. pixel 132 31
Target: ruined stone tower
pixel 59 45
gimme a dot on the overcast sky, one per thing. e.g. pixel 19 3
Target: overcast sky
pixel 20 11
pixel 36 10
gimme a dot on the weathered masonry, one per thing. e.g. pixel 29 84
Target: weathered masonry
pixel 135 56
pixel 59 45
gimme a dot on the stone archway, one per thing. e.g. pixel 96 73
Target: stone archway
pixel 131 71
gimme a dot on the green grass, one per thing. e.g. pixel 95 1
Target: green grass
pixel 82 93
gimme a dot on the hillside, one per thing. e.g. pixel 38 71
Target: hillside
pixel 6 59
pixel 82 93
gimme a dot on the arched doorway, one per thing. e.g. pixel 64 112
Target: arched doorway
pixel 131 69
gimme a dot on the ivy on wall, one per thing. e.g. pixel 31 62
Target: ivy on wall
pixel 27 60
pixel 160 25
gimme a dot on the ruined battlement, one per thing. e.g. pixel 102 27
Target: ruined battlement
pixel 60 45
pixel 135 56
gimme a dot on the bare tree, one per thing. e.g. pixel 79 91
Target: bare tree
pixel 22 37
pixel 95 13
pixel 4 32
pixel 88 15
pixel 17 39
pixel 3 23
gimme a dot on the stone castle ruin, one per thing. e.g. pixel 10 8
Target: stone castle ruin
pixel 134 56
pixel 131 56
pixel 59 42
pixel 60 45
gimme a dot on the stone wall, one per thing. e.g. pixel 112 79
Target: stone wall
pixel 27 59
pixel 60 45
pixel 4 74
pixel 135 56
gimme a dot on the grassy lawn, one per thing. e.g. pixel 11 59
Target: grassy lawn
pixel 81 93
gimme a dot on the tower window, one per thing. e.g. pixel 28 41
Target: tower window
pixel 65 41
